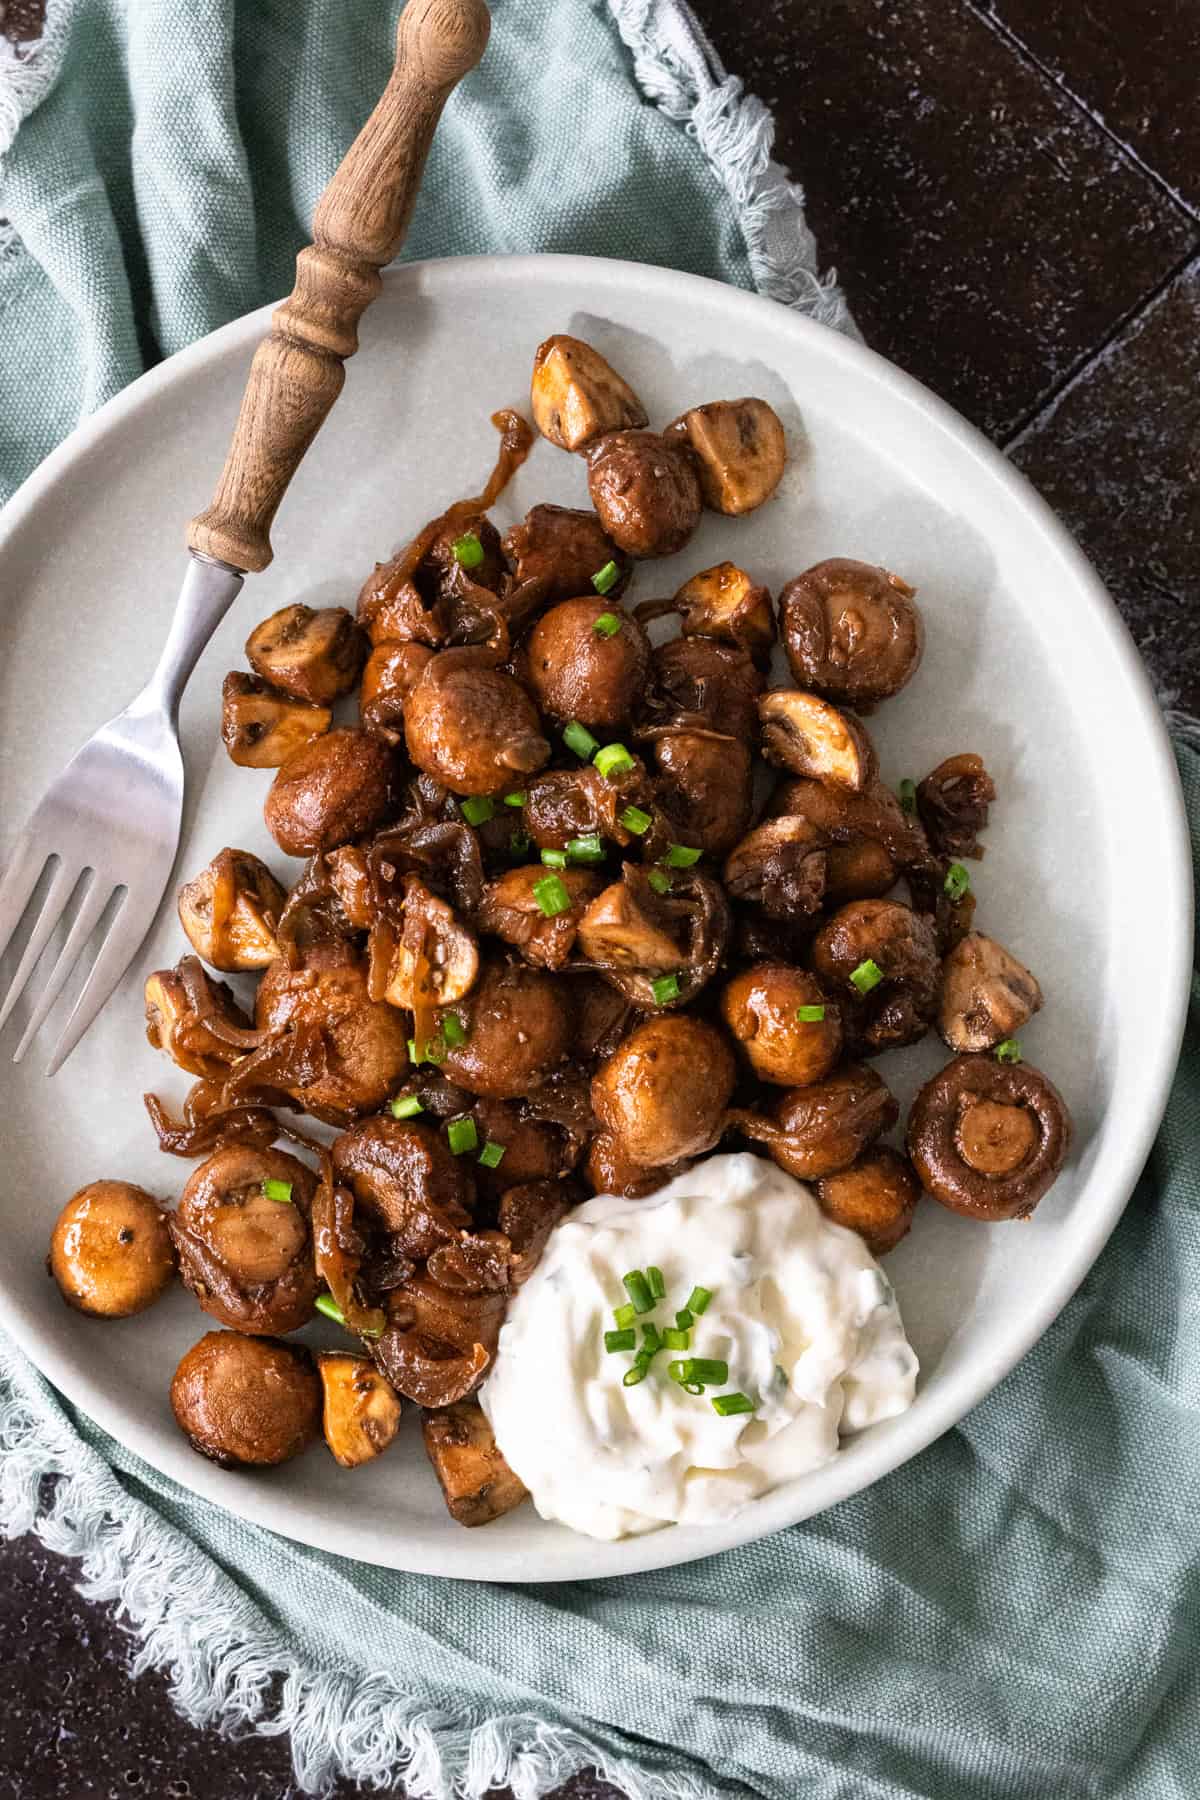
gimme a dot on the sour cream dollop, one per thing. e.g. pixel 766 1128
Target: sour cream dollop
pixel 800 1310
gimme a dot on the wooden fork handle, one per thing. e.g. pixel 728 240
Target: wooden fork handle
pixel 360 223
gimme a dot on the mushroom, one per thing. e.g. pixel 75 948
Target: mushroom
pixel 312 655
pixel 195 1020
pixel 576 396
pixel 260 727
pixel 357 1047
pixel 817 1130
pixel 870 836
pixel 789 1032
pixel 876 1196
pixel 564 804
pixel 741 450
pixel 516 1026
pixel 538 910
pixel 700 684
pixel 562 550
pixel 477 1483
pixel 609 1170
pixel 705 787
pixel 659 950
pixel 406 1181
pixel 349 875
pixel 361 1413
pixel 110 1251
pixel 646 491
pixel 231 910
pixel 663 1092
pixel 246 1402
pixel 393 670
pixel 988 1138
pixel 953 802
pixel 332 790
pixel 588 660
pixel 780 866
pixel 527 1215
pixel 244 1240
pixel 803 733
pixel 439 1341
pixel 724 603
pixel 881 959
pixel 851 632
pixel 436 958
pixel 987 995
pixel 471 726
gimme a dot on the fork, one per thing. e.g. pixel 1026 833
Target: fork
pixel 112 819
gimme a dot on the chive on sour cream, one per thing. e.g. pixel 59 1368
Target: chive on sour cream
pixel 800 1313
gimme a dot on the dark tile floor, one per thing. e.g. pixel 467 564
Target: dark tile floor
pixel 1010 191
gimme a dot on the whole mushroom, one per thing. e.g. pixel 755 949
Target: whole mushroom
pixel 645 490
pixel 988 1138
pixel 332 790
pixel 471 726
pixel 246 1402
pixel 588 660
pixel 663 1093
pixel 881 959
pixel 784 1024
pixel 243 1235
pixel 851 631
pixel 110 1251
pixel 817 1130
pixel 876 1196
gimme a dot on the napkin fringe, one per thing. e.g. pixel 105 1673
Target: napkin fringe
pixel 27 73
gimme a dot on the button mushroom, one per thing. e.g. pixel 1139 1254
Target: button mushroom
pixel 697 682
pixel 260 727
pixel 817 1130
pixel 851 631
pixel 361 1411
pixel 560 549
pixel 527 1215
pixel 231 910
pixel 323 999
pixel 646 491
pixel 576 396
pixel 436 959
pixel 312 655
pixel 987 995
pixel 563 804
pixel 705 788
pixel 723 603
pixel 789 1032
pixel 953 802
pixel 987 1138
pixel 659 950
pixel 196 1020
pixel 525 907
pixel 881 959
pixel 741 450
pixel 663 1093
pixel 608 1169
pixel 332 790
pixel 780 866
pixel 871 837
pixel 439 1341
pixel 110 1251
pixel 805 734
pixel 876 1196
pixel 587 660
pixel 246 1402
pixel 406 1181
pixel 516 1026
pixel 392 671
pixel 243 1236
pixel 471 726
pixel 477 1483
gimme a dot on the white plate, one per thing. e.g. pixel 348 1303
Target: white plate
pixel 1086 875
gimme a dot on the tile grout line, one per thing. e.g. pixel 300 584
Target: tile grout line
pixel 1020 48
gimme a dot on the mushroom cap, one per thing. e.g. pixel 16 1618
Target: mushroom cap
pixel 663 1092
pixel 471 726
pixel 761 1007
pixel 262 727
pixel 518 1022
pixel 851 631
pixel 365 1040
pixel 561 548
pixel 110 1250
pixel 876 1196
pixel 646 491
pixel 328 792
pixel 577 672
pixel 982 1163
pixel 230 912
pixel 246 1401
pixel 406 1181
pixel 247 1258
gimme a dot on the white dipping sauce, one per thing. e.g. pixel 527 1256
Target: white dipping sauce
pixel 800 1311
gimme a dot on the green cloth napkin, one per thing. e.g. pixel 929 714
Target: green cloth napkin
pixel 1012 1616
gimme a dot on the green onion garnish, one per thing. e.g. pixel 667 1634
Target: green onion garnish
pixel 728 1404
pixel 678 1372
pixel 517 798
pixel 624 1315
pixel 478 809
pixel 1009 1051
pixel 632 1376
pixel 707 1369
pixel 608 625
pixel 519 842
pixel 655 1282
pixel 698 1300
pixel 664 988
pixel 684 1319
pixel 462 1136
pixel 406 1106
pixel 467 551
pixel 659 882
pixel 674 1339
pixel 637 821
pixel 606 579
pixel 637 1288
pixel 578 738
pixel 433 1050
pixel 453 1030
pixel 681 856
pixel 692 1387
pixel 589 849
pixel 652 1343
pixel 868 975
pixel 810 1015
pixel 614 759
pixel 957 882
pixel 554 859
pixel 325 1303
pixel 492 1155
pixel 620 1340
pixel 908 795
pixel 278 1190
pixel 552 896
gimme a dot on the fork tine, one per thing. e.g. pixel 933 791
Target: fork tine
pixel 114 957
pixel 21 876
pixel 61 888
pixel 86 919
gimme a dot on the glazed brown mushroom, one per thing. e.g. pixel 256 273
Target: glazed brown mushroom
pixel 332 790
pixel 645 490
pixel 406 1182
pixel 581 667
pixel 988 1138
pixel 818 1130
pixel 560 549
pixel 363 1043
pixel 195 1019
pixel 881 959
pixel 788 1031
pixel 243 1236
pixel 527 1215
pixel 562 804
pixel 663 1093
pixel 698 683
pixel 312 655
pixel 609 1170
pixel 425 596
pixel 576 396
pixel 851 631
pixel 511 909
pixel 246 1402
pixel 477 1483
pixel 361 1411
pixel 393 670
pixel 705 788
pixel 659 950
pixel 439 1341
pixel 260 727
pixel 517 1025
pixel 436 958
pixel 110 1251
pixel 231 910
pixel 724 603
pixel 471 726
pixel 741 450
pixel 870 835
pixel 349 876
pixel 804 734
pixel 876 1196
pixel 953 802
pixel 987 995
pixel 780 866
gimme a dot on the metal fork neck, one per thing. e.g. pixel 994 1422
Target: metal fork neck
pixel 209 590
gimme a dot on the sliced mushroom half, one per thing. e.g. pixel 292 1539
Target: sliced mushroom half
pixel 577 396
pixel 231 910
pixel 810 737
pixel 987 995
pixel 741 450
pixel 437 958
pixel 723 603
pixel 361 1412
pixel 780 866
pixel 314 655
pixel 261 727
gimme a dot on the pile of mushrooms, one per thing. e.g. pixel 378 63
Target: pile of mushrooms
pixel 554 933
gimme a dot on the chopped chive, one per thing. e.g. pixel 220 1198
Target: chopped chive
pixel 655 1282
pixel 552 896
pixel 554 859
pixel 674 1339
pixel 518 797
pixel 664 988
pixel 681 856
pixel 492 1155
pixel 606 579
pixel 692 1387
pixel 589 849
pixel 454 1031
pixel 729 1404
pixel 659 882
pixel 462 1136
pixel 614 759
pixel 325 1303
pixel 467 551
pixel 698 1300
pixel 908 795
pixel 810 1015
pixel 652 1343
pixel 578 738
pixel 435 1051
pixel 620 1340
pixel 1009 1051
pixel 712 1369
pixel 684 1319
pixel 957 882
pixel 636 1287
pixel 478 809
pixel 608 625
pixel 631 1377
pixel 278 1190
pixel 868 975
pixel 637 821
pixel 678 1372
pixel 406 1106
pixel 624 1315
